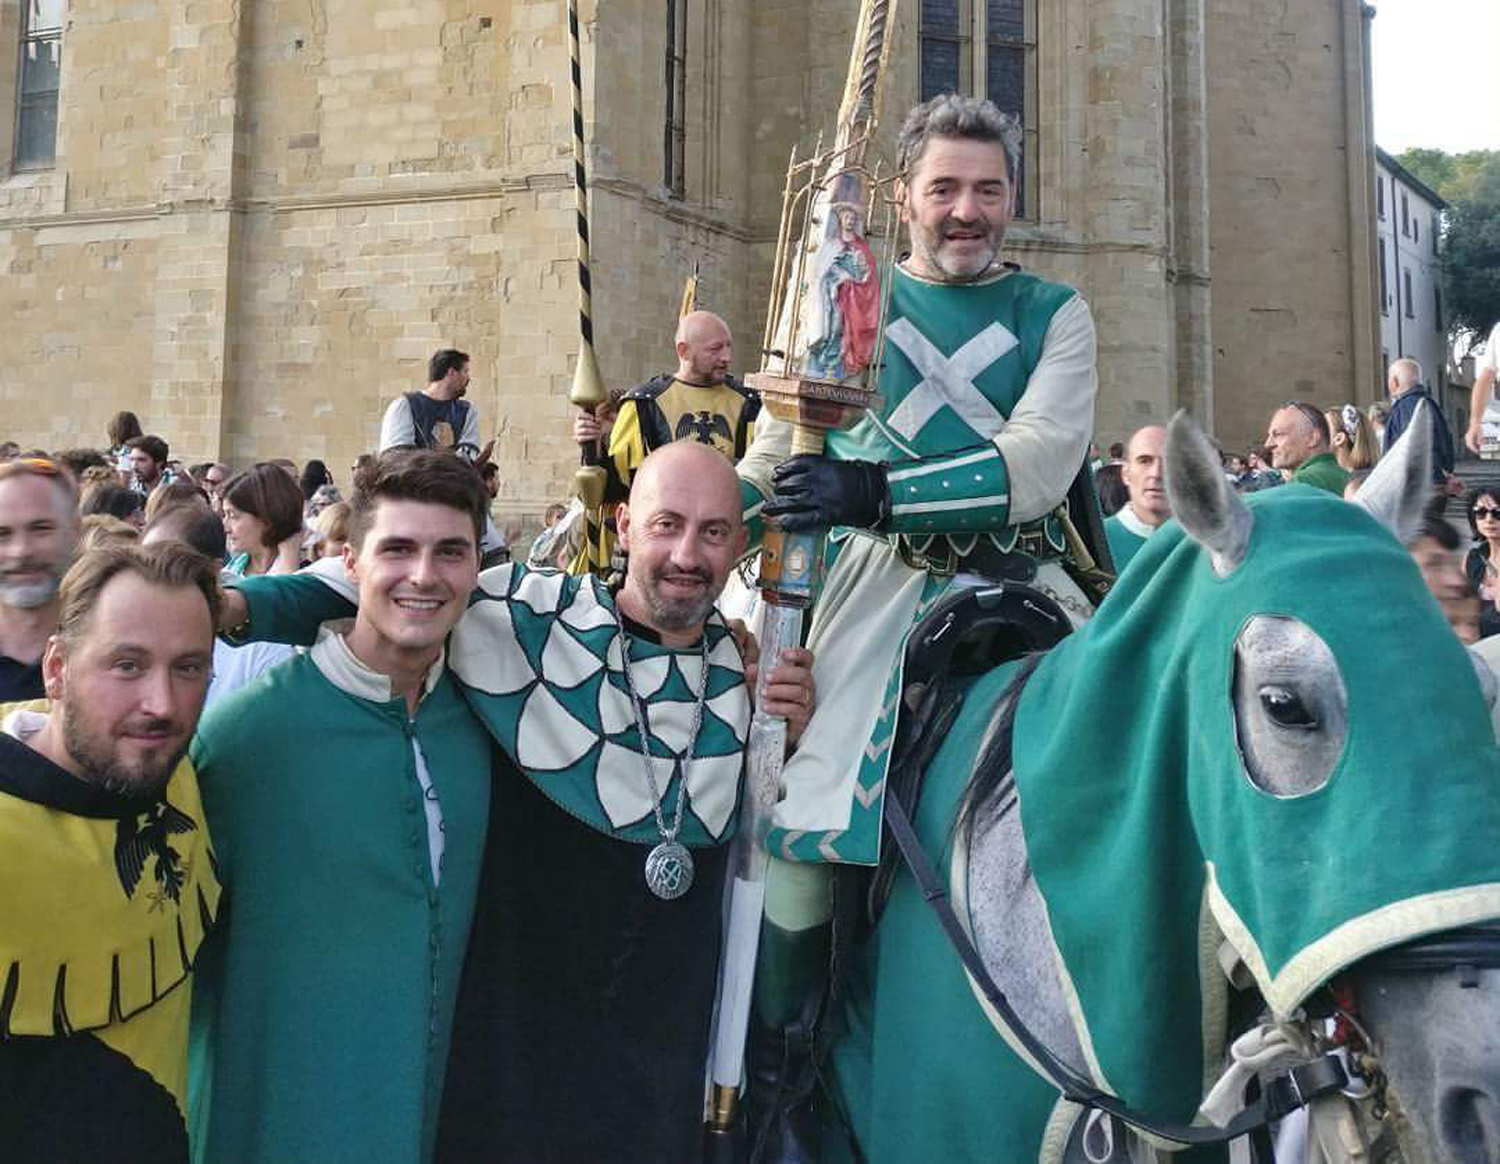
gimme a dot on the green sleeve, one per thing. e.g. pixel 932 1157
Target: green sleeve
pixel 963 492
pixel 289 608
pixel 752 501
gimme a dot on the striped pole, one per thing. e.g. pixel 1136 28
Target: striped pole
pixel 587 392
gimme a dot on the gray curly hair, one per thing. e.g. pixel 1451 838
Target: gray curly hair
pixel 969 118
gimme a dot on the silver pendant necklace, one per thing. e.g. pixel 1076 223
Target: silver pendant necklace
pixel 669 865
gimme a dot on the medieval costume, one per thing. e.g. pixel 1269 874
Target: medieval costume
pixel 110 897
pixel 987 405
pixel 658 412
pixel 1126 534
pixel 577 937
pixel 416 420
pixel 350 837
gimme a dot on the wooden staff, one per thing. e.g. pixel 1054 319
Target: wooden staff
pixel 587 392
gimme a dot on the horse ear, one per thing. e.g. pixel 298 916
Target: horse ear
pixel 1397 489
pixel 1203 501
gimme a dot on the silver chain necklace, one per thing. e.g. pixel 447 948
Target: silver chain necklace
pixel 669 866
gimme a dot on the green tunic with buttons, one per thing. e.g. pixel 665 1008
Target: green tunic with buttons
pixel 322 1018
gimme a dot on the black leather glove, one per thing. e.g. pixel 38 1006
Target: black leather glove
pixel 816 492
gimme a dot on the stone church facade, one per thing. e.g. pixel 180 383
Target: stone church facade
pixel 251 222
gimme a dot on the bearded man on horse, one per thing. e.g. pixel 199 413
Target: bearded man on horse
pixel 958 475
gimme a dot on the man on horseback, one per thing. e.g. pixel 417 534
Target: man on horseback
pixel 958 477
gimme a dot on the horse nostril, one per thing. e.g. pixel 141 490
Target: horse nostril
pixel 1469 1126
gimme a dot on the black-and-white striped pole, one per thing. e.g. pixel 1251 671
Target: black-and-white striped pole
pixel 587 392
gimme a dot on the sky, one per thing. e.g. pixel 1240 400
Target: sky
pixel 1436 67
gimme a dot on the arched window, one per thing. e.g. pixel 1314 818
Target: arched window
pixel 985 48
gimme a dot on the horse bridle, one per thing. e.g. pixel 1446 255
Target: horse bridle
pixel 1465 950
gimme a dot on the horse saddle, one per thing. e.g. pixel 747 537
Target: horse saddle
pixel 965 635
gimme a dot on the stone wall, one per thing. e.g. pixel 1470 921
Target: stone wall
pixel 265 216
pixel 1290 190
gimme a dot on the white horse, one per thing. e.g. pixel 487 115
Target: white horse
pixel 1303 777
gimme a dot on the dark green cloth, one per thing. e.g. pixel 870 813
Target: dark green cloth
pixel 1322 472
pixel 917 1061
pixel 324 1006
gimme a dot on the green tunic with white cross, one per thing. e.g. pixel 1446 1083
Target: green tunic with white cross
pixel 957 361
pixel 986 409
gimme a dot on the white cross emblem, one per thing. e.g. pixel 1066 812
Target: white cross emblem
pixel 948 380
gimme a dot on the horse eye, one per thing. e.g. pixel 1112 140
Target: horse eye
pixel 1286 708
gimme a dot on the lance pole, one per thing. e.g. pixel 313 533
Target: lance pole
pixel 587 392
pixel 795 385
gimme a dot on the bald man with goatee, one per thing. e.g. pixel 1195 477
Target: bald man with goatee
pixel 700 401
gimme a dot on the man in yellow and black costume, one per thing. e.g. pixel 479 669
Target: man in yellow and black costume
pixel 110 881
pixel 701 401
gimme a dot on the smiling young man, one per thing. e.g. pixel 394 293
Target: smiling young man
pixel 349 790
pixel 110 880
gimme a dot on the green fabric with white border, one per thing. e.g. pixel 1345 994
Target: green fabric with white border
pixel 537 655
pixel 1127 801
pixel 1137 807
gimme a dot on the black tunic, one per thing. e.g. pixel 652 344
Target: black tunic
pixel 582 1025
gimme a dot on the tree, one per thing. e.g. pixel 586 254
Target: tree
pixel 1470 182
pixel 1453 176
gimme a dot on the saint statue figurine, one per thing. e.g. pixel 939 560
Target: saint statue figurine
pixel 845 294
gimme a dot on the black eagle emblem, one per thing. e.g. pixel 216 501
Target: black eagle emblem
pixel 703 427
pixel 146 834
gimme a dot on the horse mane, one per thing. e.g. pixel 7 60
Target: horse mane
pixel 991 781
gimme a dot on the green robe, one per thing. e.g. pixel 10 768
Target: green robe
pixel 1322 472
pixel 986 407
pixel 322 1020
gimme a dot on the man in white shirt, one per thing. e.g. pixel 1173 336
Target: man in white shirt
pixel 1483 435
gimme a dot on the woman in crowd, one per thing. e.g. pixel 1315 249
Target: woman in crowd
pixel 1110 485
pixel 1376 414
pixel 1483 563
pixel 1354 441
pixel 122 427
pixel 315 475
pixel 114 501
pixel 183 491
pixel 331 531
pixel 263 521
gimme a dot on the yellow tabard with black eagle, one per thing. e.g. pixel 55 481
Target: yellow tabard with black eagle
pixel 657 413
pixel 106 900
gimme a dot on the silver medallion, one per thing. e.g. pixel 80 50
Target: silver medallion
pixel 669 870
